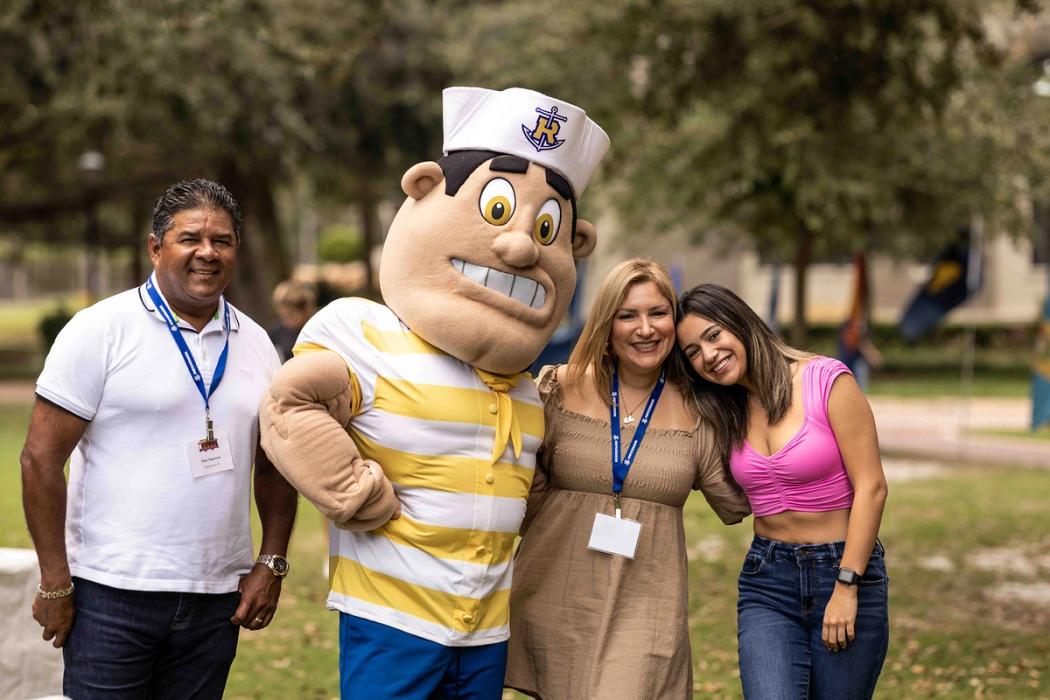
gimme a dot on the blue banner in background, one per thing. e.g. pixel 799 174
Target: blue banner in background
pixel 1041 370
pixel 676 276
pixel 956 276
pixel 773 310
pixel 568 331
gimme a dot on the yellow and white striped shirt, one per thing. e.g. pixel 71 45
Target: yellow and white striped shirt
pixel 442 571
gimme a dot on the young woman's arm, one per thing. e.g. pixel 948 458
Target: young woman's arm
pixel 854 427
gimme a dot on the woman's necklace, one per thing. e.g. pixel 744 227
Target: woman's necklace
pixel 629 413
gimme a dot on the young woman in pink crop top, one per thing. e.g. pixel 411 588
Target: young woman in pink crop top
pixel 798 436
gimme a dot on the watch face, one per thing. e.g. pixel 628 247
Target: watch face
pixel 280 565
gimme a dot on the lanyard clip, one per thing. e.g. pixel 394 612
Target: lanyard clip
pixel 616 503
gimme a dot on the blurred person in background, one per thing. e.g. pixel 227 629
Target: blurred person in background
pixel 294 302
pixel 799 438
pixel 599 606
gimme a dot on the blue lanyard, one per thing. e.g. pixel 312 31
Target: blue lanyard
pixel 620 467
pixel 184 349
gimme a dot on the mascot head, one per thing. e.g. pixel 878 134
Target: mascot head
pixel 479 260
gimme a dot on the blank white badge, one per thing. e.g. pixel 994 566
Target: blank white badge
pixel 210 461
pixel 617 536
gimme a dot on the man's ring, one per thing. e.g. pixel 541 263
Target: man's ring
pixel 258 619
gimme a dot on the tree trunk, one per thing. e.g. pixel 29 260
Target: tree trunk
pixel 366 201
pixel 261 261
pixel 138 232
pixel 803 254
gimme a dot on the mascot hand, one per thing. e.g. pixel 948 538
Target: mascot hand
pixel 302 425
pixel 383 504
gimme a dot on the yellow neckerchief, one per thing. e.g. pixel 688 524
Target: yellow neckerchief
pixel 507 427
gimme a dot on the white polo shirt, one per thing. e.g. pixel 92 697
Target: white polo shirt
pixel 136 518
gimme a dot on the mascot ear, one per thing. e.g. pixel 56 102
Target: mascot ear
pixel 585 239
pixel 421 178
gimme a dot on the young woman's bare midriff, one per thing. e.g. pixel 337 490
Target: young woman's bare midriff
pixel 804 528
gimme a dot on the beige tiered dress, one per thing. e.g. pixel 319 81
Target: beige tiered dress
pixel 590 625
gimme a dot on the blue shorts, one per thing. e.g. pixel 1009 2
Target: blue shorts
pixel 377 661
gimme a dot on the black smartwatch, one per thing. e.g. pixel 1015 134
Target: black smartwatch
pixel 848 577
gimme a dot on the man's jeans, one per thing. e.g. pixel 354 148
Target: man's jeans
pixel 780 613
pixel 145 644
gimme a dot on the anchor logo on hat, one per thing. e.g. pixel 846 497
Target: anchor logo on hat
pixel 544 136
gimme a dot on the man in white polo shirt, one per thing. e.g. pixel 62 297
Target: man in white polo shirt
pixel 147 569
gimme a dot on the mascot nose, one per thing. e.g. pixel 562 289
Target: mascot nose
pixel 516 248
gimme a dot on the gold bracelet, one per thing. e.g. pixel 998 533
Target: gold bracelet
pixel 54 595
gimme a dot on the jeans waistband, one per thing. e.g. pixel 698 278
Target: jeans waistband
pixel 773 550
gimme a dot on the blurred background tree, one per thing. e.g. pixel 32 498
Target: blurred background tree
pixel 809 129
pixel 814 129
pixel 340 244
pixel 254 94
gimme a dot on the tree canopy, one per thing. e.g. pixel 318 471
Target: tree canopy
pixel 810 129
pixel 814 129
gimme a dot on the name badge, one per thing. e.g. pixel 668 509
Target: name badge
pixel 616 536
pixel 210 456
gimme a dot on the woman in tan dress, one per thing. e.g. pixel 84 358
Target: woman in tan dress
pixel 586 623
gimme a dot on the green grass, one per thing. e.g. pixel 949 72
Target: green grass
pixel 917 385
pixel 952 637
pixel 20 337
pixel 297 655
pixel 13 421
pixel 19 319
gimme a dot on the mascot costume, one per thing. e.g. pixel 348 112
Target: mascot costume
pixel 413 427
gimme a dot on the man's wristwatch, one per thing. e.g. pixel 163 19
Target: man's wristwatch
pixel 848 577
pixel 275 563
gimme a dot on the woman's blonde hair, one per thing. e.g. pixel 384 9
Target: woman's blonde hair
pixel 592 349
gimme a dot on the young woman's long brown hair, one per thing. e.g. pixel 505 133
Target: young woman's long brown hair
pixel 768 365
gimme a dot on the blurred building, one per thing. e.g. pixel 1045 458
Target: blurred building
pixel 1015 273
pixel 1014 286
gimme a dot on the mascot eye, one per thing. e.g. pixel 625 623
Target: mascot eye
pixel 545 230
pixel 497 201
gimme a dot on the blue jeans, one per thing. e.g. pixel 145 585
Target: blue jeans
pixel 147 644
pixel 377 662
pixel 780 614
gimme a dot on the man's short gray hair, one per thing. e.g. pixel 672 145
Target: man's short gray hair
pixel 194 194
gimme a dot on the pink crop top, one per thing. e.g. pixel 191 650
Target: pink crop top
pixel 806 474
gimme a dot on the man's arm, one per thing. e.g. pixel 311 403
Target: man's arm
pixel 53 433
pixel 276 501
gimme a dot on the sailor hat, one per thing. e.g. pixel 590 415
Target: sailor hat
pixel 528 124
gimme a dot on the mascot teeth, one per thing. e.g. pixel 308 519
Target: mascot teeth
pixel 521 289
